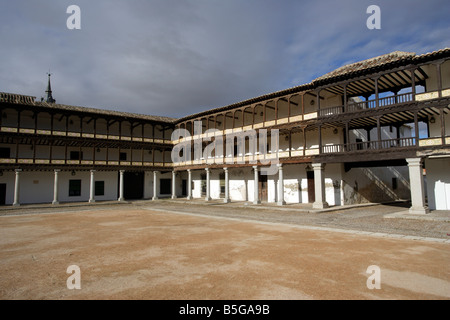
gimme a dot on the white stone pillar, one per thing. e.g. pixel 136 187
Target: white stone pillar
pixel 92 187
pixel 55 188
pixel 174 185
pixel 281 201
pixel 227 187
pixel 208 194
pixel 121 198
pixel 256 187
pixel 418 205
pixel 189 186
pixel 155 185
pixel 319 186
pixel 16 202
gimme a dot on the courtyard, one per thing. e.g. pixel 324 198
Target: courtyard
pixel 169 250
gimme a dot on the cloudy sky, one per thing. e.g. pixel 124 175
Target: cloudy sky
pixel 178 57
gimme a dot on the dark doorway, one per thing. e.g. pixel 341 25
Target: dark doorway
pixel 165 186
pixel 133 185
pixel 203 184
pixel 2 193
pixel 262 185
pixel 184 188
pixel 311 190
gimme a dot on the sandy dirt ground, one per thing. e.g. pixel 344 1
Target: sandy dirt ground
pixel 137 253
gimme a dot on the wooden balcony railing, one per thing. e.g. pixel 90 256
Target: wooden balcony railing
pixel 88 163
pixel 370 104
pixel 370 145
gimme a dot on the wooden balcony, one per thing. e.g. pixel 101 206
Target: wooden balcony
pixel 394 100
pixel 89 164
pixel 400 144
pixel 70 134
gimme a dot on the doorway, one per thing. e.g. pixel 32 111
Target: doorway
pixel 311 190
pixel 262 185
pixel 133 185
pixel 2 193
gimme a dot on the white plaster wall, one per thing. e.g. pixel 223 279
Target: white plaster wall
pixel 438 183
pixel 111 185
pixel 148 185
pixel 238 183
pixel 333 184
pixel 435 128
pixel 37 186
pixel 8 179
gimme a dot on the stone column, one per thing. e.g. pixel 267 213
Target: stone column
pixel 155 185
pixel 256 187
pixel 55 188
pixel 281 201
pixel 121 198
pixel 92 187
pixel 227 187
pixel 208 195
pixel 319 186
pixel 189 197
pixel 16 202
pixel 418 205
pixel 174 191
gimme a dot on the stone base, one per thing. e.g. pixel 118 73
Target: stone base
pixel 257 202
pixel 320 205
pixel 91 201
pixel 55 202
pixel 419 210
pixel 281 203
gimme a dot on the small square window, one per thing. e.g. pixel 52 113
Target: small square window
pixel 76 155
pixel 123 156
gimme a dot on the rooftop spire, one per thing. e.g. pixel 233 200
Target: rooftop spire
pixel 49 97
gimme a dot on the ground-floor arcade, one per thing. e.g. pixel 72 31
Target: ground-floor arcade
pixel 322 185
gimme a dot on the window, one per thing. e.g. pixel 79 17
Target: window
pixel 74 188
pixel 222 183
pixel 99 188
pixel 394 184
pixel 5 153
pixel 203 184
pixel 123 156
pixel 76 155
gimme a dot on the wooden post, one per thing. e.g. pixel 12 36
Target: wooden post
pixel 416 128
pixel 376 93
pixel 413 84
pixel 439 79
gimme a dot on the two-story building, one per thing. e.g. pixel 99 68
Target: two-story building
pixel 361 133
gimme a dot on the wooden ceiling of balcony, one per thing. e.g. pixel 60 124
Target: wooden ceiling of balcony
pixel 387 82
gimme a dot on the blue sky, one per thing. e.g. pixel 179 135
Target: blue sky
pixel 179 57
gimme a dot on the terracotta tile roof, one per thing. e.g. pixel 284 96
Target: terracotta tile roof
pixel 385 60
pixel 30 100
pixel 367 64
